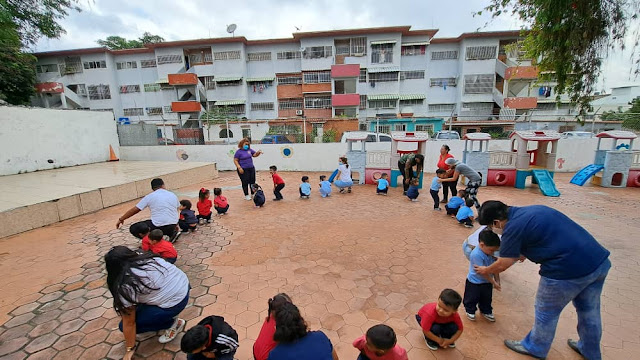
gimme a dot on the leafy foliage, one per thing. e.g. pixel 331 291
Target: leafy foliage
pixel 35 19
pixel 17 69
pixel 216 115
pixel 119 43
pixel 630 118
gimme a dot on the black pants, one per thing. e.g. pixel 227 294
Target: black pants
pixel 466 221
pixel 302 194
pixel 435 195
pixel 449 185
pixel 382 191
pixel 169 230
pixel 248 178
pixel 199 356
pixel 451 211
pixel 171 260
pixel 186 227
pixel 206 217
pixel 478 295
pixel 222 210
pixel 472 192
pixel 362 357
pixel 405 175
pixel 276 191
pixel 445 331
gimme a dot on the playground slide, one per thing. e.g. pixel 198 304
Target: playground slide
pixel 585 174
pixel 545 182
pixel 333 176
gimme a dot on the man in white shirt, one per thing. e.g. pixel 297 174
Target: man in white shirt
pixel 163 205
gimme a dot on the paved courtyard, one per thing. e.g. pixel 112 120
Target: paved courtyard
pixel 349 262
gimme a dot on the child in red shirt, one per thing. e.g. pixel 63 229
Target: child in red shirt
pixel 204 206
pixel 265 343
pixel 157 245
pixel 220 202
pixel 380 343
pixel 440 321
pixel 278 183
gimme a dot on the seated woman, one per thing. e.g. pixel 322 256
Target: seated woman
pixel 265 343
pixel 148 294
pixel 295 341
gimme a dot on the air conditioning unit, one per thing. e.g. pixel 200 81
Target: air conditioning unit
pixel 299 112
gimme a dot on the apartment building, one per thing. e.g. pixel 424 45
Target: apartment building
pixel 471 81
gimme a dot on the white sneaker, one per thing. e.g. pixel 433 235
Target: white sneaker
pixel 247 197
pixel 471 317
pixel 173 331
pixel 489 317
pixel 414 200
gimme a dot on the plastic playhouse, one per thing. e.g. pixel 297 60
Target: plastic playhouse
pixel 620 165
pixel 357 158
pixel 402 143
pixel 477 159
pixel 539 162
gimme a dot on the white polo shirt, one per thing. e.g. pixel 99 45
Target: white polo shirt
pixel 163 205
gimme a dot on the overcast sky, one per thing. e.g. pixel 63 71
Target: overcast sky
pixel 192 19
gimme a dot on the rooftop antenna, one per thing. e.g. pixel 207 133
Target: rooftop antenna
pixel 231 29
pixel 297 28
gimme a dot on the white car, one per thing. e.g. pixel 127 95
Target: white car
pixel 371 136
pixel 446 135
pixel 577 135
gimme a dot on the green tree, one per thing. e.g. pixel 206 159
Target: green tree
pixel 35 19
pixel 17 69
pixel 119 43
pixel 570 38
pixel 630 118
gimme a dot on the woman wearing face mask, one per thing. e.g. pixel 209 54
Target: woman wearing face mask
pixel 243 159
pixel 344 177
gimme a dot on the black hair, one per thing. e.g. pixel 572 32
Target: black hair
pixel 384 174
pixel 469 202
pixel 290 326
pixel 121 281
pixel 419 156
pixel 217 191
pixel 345 161
pixel 276 302
pixel 273 167
pixel 139 228
pixel 441 171
pixel 194 339
pixel 451 298
pixel 256 187
pixel 156 235
pixel 488 237
pixel 446 147
pixel 203 193
pixel 156 184
pixel 382 337
pixel 305 178
pixel 415 180
pixel 323 177
pixel 492 210
pixel 186 204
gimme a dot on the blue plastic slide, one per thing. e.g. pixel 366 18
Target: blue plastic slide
pixel 545 182
pixel 333 176
pixel 581 177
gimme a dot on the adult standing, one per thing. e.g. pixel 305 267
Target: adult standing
pixel 344 175
pixel 451 185
pixel 406 164
pixel 573 267
pixel 474 179
pixel 163 205
pixel 243 159
pixel 148 294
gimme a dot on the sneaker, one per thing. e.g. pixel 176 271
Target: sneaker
pixel 175 238
pixel 385 194
pixel 574 345
pixel 444 201
pixel 247 197
pixel 209 221
pixel 404 193
pixel 342 191
pixel 431 344
pixel 414 200
pixel 471 316
pixel 173 331
pixel 516 346
pixel 437 209
pixel 468 226
pixel 489 317
pixel 349 189
pixel 452 345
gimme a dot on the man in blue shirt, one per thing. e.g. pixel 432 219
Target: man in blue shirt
pixel 573 267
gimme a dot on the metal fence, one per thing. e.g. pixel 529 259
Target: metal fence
pixel 188 136
pixel 140 134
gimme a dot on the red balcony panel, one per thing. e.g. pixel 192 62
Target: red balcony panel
pixel 183 79
pixel 185 106
pixel 521 102
pixel 289 91
pixel 343 71
pixel 50 87
pixel 316 88
pixel 345 100
pixel 521 72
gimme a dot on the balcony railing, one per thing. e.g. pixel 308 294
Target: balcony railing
pixel 502 160
pixel 70 68
pixel 381 57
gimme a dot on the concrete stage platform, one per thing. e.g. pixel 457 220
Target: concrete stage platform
pixel 32 200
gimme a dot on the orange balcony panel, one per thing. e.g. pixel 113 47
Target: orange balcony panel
pixel 521 72
pixel 50 88
pixel 316 88
pixel 317 113
pixel 289 91
pixel 345 100
pixel 183 79
pixel 343 71
pixel 521 103
pixel 185 106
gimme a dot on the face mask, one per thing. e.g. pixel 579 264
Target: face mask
pixel 496 230
pixel 246 147
pixel 339 162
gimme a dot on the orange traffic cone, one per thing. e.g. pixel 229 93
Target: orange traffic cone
pixel 112 154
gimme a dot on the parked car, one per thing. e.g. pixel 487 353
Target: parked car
pixel 371 137
pixel 161 141
pixel 446 135
pixel 577 134
pixel 275 139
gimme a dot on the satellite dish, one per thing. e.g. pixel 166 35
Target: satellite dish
pixel 231 29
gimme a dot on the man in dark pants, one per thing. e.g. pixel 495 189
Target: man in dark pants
pixel 406 164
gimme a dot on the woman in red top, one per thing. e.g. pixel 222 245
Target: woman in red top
pixel 204 206
pixel 265 343
pixel 449 185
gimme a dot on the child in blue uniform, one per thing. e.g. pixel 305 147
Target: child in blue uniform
pixel 434 190
pixel 383 184
pixel 454 203
pixel 325 186
pixel 465 214
pixel 305 188
pixel 412 192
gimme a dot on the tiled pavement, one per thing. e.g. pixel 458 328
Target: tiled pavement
pixel 349 261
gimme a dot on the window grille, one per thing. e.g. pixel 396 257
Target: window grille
pixel 259 56
pixel 414 74
pixel 151 87
pixel 479 84
pixel 99 92
pixel 126 65
pixel 125 89
pixel 288 55
pixel 442 82
pixel 290 80
pixel 317 77
pixel 133 112
pixel 169 59
pixel 413 50
pixel 481 52
pixel 290 104
pixel 95 64
pixel 148 63
pixel 261 106
pixel 227 55
pixel 444 55
pixel 317 102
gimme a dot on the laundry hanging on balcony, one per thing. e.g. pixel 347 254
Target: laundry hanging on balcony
pixel 544 91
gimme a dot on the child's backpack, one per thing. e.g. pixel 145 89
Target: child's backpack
pixel 258 196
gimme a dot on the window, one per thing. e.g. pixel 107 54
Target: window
pixel 317 102
pixel 125 89
pixel 208 82
pixel 414 74
pixel 154 111
pixel 348 112
pixel 481 52
pixel 227 55
pixel 382 104
pixel 290 104
pixel 383 77
pixel 382 53
pixel 479 107
pixel 246 133
pixel 345 86
pixel 259 56
pixel 101 64
pixel 236 109
pixel 169 59
pixel 443 82
pixel 133 112
pixel 166 86
pixel 148 63
pixel 363 76
pixel 167 109
pixel 79 89
pixel 70 65
pixel 229 83
pixel 290 80
pixel 317 52
pixel 351 47
pixel 261 106
pixel 317 77
pixel 400 127
pixel 46 68
pixel 126 65
pixel 363 102
pixel 425 128
pixel 225 133
pixel 411 102
pixel 99 92
pixel 385 129
pixel 444 55
pixel 546 106
pixel 317 127
pixel 412 50
pixel 288 55
pixel 442 108
pixel 151 87
pixel 362 126
pixel 479 84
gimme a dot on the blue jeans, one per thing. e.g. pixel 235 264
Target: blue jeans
pixel 343 184
pixel 551 298
pixel 155 318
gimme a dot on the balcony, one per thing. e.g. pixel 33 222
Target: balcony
pixel 521 73
pixel 344 71
pixel 70 68
pixel 316 88
pixel 521 102
pixel 345 100
pixel 186 106
pixel 186 79
pixel 50 88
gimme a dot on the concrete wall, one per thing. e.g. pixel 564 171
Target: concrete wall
pixel 31 137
